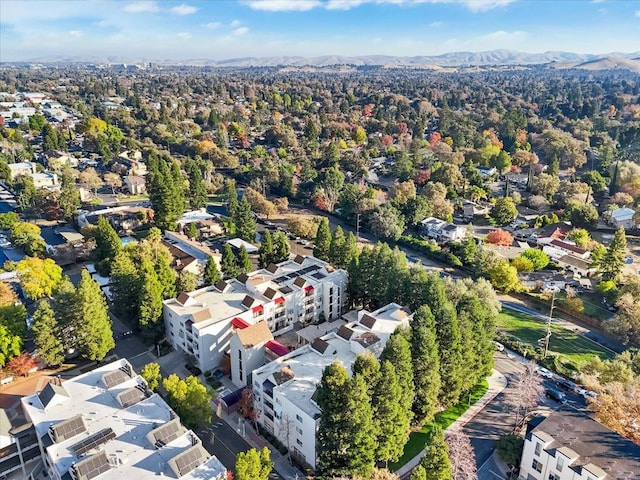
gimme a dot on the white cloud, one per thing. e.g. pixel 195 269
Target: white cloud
pixel 184 35
pixel 75 33
pixel 436 24
pixel 486 5
pixel 213 25
pixel 141 6
pixel 240 31
pixel 235 23
pixel 346 4
pixel 283 5
pixel 103 24
pixel 184 9
pixel 502 35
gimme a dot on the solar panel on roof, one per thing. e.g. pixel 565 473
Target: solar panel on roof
pixel 93 441
pixel 167 433
pixel 130 397
pixel 91 467
pixel 114 378
pixel 67 429
pixel 190 460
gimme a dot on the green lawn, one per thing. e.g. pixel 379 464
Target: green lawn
pixel 419 440
pixel 577 348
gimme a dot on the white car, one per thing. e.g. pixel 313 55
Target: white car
pixel 586 394
pixel 543 372
pixel 499 346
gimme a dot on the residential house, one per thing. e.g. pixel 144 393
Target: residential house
pixel 284 390
pixel 578 266
pixel 189 255
pixel 208 225
pixel 57 160
pixel 557 249
pixel 570 445
pixel 307 335
pixel 107 424
pixel 123 219
pixel 442 231
pixel 45 180
pixel 487 171
pixel 473 209
pixel 544 280
pixel 135 185
pixel 555 231
pixel 509 252
pixel 621 217
pixel 238 243
pixel 305 289
pixel 22 168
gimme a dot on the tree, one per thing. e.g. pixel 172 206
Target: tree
pixel 595 180
pixel 243 261
pixel 149 301
pixel 26 194
pixel 192 231
pixel 166 191
pixel 337 247
pixel 69 194
pixel 436 459
pixel 10 344
pixel 38 278
pixel 398 352
pixel 500 238
pixel 418 473
pixel 197 191
pixel 254 464
pixel 613 260
pixel 108 244
pixel 580 236
pixel 90 178
pixel 113 180
pixel 22 364
pixel 538 258
pixel 618 407
pixel 125 285
pixel 190 399
pixel 509 449
pixel 545 184
pixel 265 252
pixel 45 335
pixel 93 333
pixel 461 456
pixel 331 182
pixel 27 236
pixel 245 221
pixel 525 394
pixel 186 281
pixel 392 422
pixel 504 211
pixel 361 428
pixel 582 215
pixel 8 220
pixel 211 273
pixel 151 374
pixel 323 240
pixel 228 263
pixel 503 276
pixel 426 365
pixel 625 325
pixel 386 222
pixel 281 247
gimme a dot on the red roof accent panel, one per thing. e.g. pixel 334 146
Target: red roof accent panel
pixel 308 288
pixel 279 300
pixel 239 323
pixel 257 309
pixel 277 348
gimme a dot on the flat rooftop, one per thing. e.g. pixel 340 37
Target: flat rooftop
pixel 92 427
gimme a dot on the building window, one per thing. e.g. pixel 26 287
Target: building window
pixel 299 442
pixel 559 464
pixel 554 476
pixel 299 430
pixel 299 418
pixel 538 449
pixel 537 466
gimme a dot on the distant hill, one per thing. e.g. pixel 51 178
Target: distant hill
pixel 453 59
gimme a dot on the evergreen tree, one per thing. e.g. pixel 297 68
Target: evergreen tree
pixel 425 362
pixel 243 261
pixel 323 240
pixel 398 352
pixel 192 231
pixel 367 366
pixel 186 281
pixel 125 286
pixel 166 276
pixel 211 272
pixel 392 422
pixel 350 250
pixel 280 248
pixel 418 473
pixel 197 189
pixel 436 460
pixel 337 247
pixel 613 260
pixel 69 194
pixel 94 334
pixel 450 353
pixel 108 244
pixel 45 335
pixel 245 221
pixel 66 314
pixel 362 432
pixel 469 250
pixel 228 262
pixel 265 251
pixel 166 191
pixel 231 195
pixel 149 301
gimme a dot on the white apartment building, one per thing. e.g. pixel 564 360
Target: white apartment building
pixel 569 445
pixel 22 168
pixel 284 389
pixel 201 323
pixel 105 424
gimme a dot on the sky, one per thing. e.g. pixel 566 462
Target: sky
pixel 221 29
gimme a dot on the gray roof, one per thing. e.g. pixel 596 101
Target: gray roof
pixel 593 442
pixel 50 391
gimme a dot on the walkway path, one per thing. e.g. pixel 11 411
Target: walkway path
pixel 497 383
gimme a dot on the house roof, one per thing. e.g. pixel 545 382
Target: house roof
pixel 201 315
pixel 624 213
pixel 368 321
pixel 320 345
pixel 277 348
pixel 255 334
pixel 575 262
pixel 568 246
pixel 135 180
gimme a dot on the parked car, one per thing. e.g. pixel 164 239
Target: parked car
pixel 586 394
pixel 566 384
pixel 556 395
pixel 218 374
pixel 543 372
pixel 499 346
pixel 304 242
pixel 193 369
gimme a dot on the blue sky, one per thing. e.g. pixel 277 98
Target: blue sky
pixel 217 29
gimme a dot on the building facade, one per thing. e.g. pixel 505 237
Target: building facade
pixel 303 290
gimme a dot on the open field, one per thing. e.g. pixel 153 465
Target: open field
pixel 577 348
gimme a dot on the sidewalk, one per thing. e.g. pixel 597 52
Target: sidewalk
pixel 497 383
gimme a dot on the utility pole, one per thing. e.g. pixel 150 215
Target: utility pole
pixel 357 228
pixel 548 335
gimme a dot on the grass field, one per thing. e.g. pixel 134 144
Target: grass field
pixel 577 348
pixel 419 440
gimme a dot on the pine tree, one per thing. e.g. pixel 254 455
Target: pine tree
pixel 425 361
pixel 337 247
pixel 125 286
pixel 350 251
pixel 228 262
pixel 108 244
pixel 392 422
pixel 149 301
pixel 280 247
pixel 192 231
pixel 69 194
pixel 436 460
pixel 367 366
pixel 66 314
pixel 243 262
pixel 94 334
pixel 323 240
pixel 450 354
pixel 398 352
pixel 245 221
pixel 265 251
pixel 231 195
pixel 197 190
pixel 166 191
pixel 362 433
pixel 45 335
pixel 613 260
pixel 186 281
pixel 211 272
